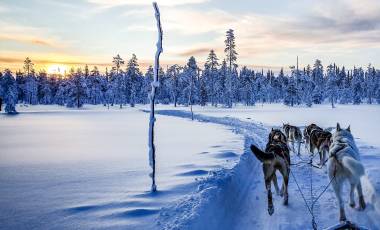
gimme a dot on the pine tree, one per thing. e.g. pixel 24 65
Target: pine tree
pixel 202 92
pixel 357 85
pixel 28 66
pixel 332 84
pixel 173 74
pixel 211 76
pixel 76 90
pixel 45 95
pixel 133 75
pixel 118 62
pixel 246 86
pixel 371 84
pixel 221 88
pixel 318 73
pixel 31 86
pixel 231 55
pixel 9 89
pixel 119 82
pixel 190 76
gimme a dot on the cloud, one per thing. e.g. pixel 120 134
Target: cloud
pixel 115 3
pixel 29 40
pixel 31 35
pixel 194 52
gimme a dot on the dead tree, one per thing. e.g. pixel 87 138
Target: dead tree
pixel 152 96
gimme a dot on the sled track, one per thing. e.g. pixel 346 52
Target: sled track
pixel 236 198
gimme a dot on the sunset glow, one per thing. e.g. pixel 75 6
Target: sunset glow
pixel 57 69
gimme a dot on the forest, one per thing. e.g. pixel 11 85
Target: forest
pixel 220 82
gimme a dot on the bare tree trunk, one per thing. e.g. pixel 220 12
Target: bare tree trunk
pixel 152 96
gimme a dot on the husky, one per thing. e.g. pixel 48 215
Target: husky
pixel 344 163
pixel 293 134
pixel 307 133
pixel 320 140
pixel 276 157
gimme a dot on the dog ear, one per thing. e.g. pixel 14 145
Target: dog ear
pixel 349 128
pixel 338 127
pixel 272 128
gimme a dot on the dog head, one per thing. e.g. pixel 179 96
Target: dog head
pixel 277 135
pixel 342 133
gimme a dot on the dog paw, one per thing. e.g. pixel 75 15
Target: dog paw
pixel 352 205
pixel 270 210
pixel 285 202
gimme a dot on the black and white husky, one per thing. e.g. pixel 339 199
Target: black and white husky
pixel 293 135
pixel 275 157
pixel 344 164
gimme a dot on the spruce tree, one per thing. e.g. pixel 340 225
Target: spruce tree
pixel 231 57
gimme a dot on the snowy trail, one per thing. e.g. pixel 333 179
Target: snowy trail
pixel 236 198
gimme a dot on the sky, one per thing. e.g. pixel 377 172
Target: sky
pixel 269 34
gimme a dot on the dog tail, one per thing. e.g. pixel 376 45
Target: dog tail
pixel 262 156
pixel 354 166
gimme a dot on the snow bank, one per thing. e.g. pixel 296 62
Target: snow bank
pixel 236 198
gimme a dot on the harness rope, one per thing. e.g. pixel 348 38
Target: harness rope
pixel 310 162
pixel 313 202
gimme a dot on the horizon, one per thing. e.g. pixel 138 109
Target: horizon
pixel 268 35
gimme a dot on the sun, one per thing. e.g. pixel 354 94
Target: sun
pixel 57 69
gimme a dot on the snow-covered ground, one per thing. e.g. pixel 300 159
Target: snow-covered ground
pixel 88 168
pixel 364 119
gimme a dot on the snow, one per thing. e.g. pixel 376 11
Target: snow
pixel 239 199
pixel 364 119
pixel 87 168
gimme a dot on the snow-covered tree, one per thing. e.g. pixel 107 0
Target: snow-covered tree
pixel 231 57
pixel 292 95
pixel 76 90
pixel 318 73
pixel 211 77
pixel 332 84
pixel 173 74
pixel 371 83
pixel 45 94
pixel 357 85
pixel 118 62
pixel 134 77
pixel 220 84
pixel 28 66
pixel 247 86
pixel 9 89
pixel 190 74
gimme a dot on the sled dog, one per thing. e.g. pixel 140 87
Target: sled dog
pixel 275 157
pixel 307 132
pixel 320 140
pixel 344 163
pixel 294 135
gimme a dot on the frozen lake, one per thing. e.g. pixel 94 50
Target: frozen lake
pixel 88 168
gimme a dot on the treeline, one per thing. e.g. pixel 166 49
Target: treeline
pixel 218 83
